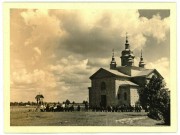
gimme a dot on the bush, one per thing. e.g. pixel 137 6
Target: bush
pixel 154 114
pixel 167 115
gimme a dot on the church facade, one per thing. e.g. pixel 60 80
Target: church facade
pixel 119 85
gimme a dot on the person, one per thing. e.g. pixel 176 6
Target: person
pixel 86 107
pixel 78 108
pixel 72 108
pixel 47 108
pixel 42 108
pixel 55 107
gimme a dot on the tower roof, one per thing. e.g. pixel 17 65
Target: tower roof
pixel 127 57
pixel 126 38
pixel 141 62
pixel 39 96
pixel 127 46
pixel 113 61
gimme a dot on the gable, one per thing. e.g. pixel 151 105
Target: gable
pixel 102 73
pixel 141 80
pixel 148 73
pixel 156 73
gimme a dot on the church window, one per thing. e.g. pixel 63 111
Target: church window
pixel 125 96
pixel 103 86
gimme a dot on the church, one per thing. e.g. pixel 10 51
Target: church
pixel 119 85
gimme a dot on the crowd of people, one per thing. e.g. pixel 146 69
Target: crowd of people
pixel 122 108
pixel 85 107
pixel 58 108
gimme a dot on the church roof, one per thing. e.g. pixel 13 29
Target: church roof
pixel 135 72
pixel 110 71
pixel 141 73
pixel 39 96
pixel 122 83
pixel 146 72
pixel 116 72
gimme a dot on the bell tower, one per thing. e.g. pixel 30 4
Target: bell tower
pixel 113 62
pixel 141 62
pixel 127 56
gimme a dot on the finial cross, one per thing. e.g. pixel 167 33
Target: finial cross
pixel 113 52
pixel 126 37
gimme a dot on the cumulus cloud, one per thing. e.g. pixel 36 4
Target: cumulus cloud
pixel 163 67
pixel 37 78
pixel 155 27
pixel 100 30
pixel 34 82
pixel 55 51
pixel 37 50
pixel 71 70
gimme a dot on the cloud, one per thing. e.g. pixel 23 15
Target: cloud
pixel 17 64
pixel 92 31
pixel 100 62
pixel 55 51
pixel 163 67
pixel 100 30
pixel 37 50
pixel 71 70
pixel 37 78
pixel 155 27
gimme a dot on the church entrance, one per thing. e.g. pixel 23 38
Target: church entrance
pixel 103 100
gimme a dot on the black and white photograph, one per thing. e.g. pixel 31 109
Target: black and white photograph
pixel 91 66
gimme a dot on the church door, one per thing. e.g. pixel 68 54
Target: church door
pixel 103 100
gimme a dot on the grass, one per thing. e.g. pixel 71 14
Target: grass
pixel 20 116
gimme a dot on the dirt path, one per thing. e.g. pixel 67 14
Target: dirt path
pixel 130 120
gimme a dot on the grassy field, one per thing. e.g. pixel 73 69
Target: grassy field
pixel 25 116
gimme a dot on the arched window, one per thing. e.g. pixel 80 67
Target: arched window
pixel 103 86
pixel 125 96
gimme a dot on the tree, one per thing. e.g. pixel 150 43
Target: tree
pixel 156 98
pixel 73 102
pixel 28 103
pixel 67 102
pixel 85 102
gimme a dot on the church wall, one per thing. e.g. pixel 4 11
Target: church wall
pixel 110 92
pixel 91 98
pixel 121 91
pixel 96 92
pixel 134 96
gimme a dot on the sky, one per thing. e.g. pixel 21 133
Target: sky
pixel 54 52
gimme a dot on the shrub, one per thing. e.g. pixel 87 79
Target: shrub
pixel 156 98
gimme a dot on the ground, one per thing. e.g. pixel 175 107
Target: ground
pixel 24 116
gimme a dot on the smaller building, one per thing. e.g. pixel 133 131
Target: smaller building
pixel 39 98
